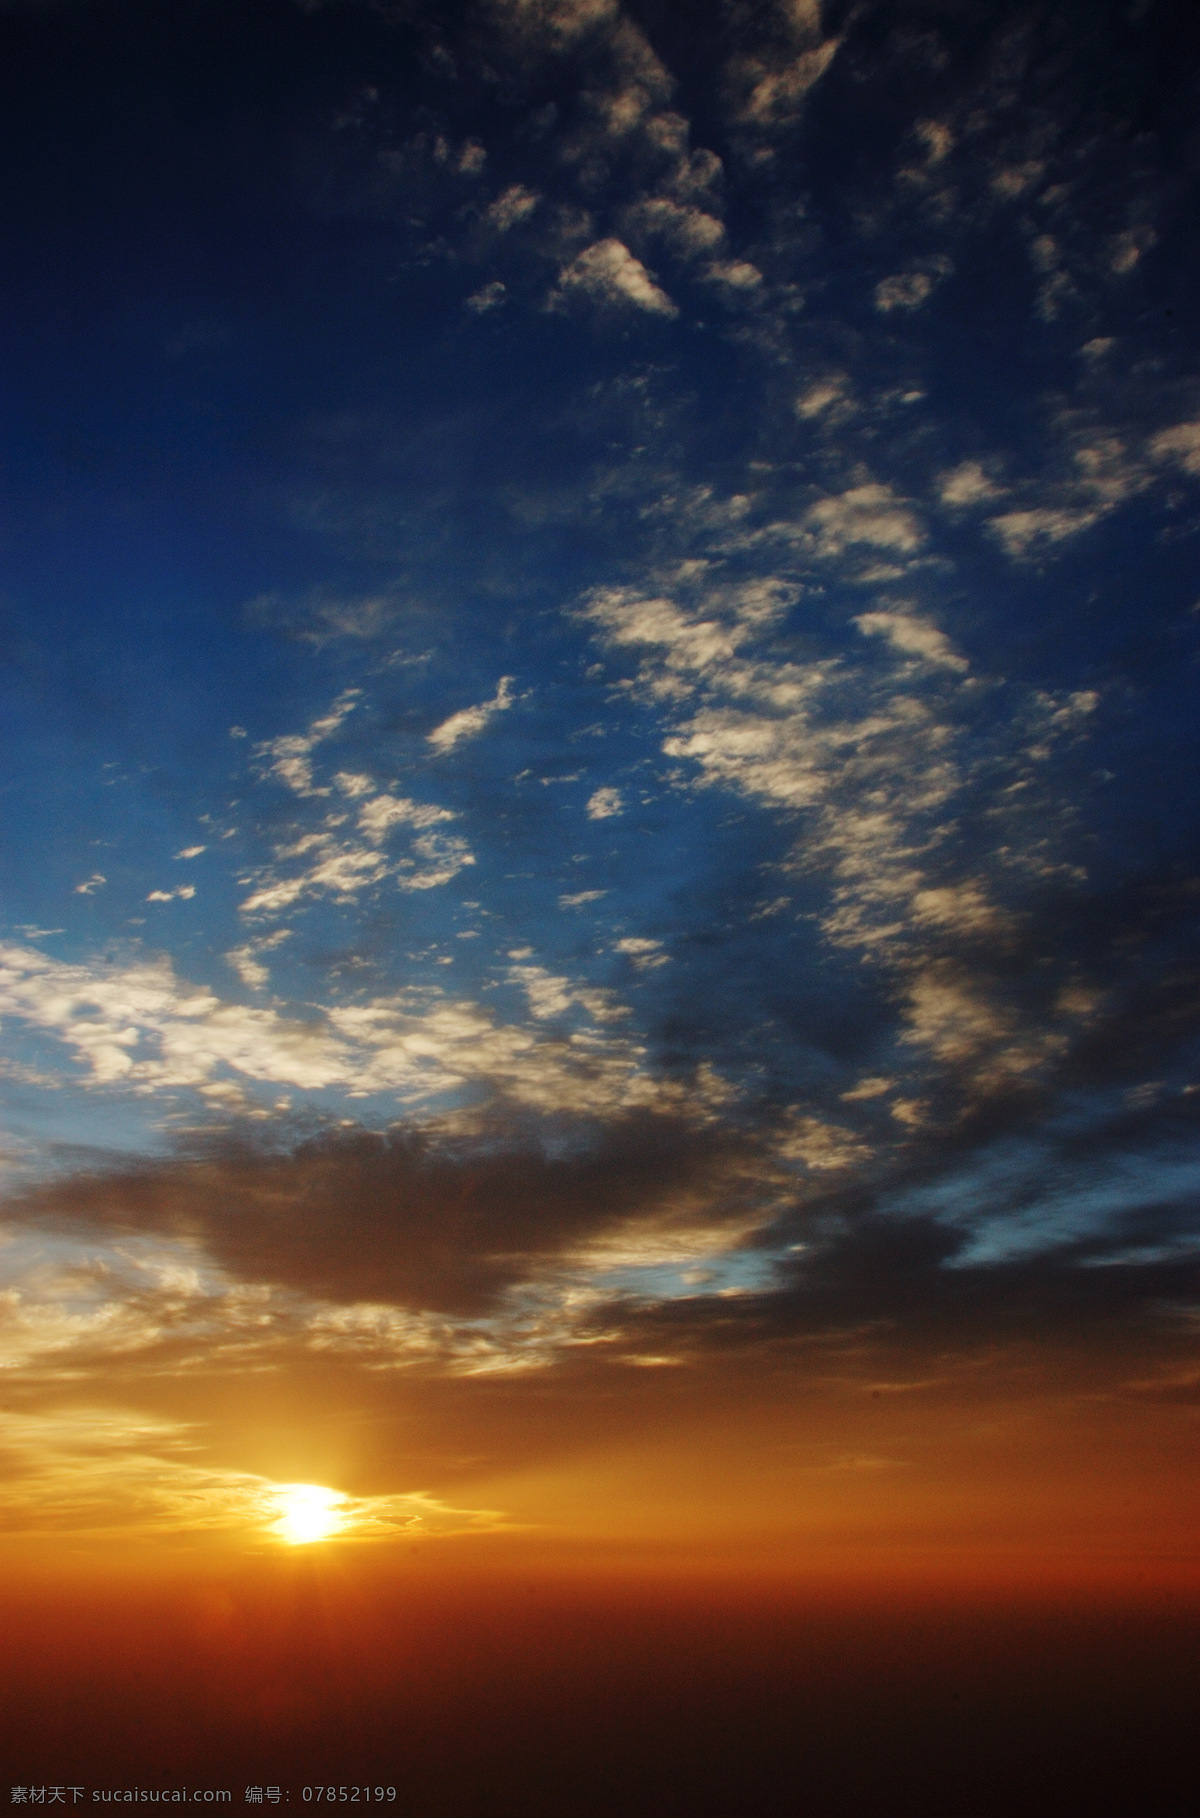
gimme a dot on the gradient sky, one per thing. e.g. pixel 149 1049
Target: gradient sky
pixel 599 919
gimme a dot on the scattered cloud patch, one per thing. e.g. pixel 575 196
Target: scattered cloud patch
pixel 1181 444
pixel 914 636
pixel 608 274
pixel 644 954
pixel 908 290
pixel 872 515
pixel 967 484
pixel 603 803
pixel 290 758
pixel 490 296
pixel 469 722
pixel 1024 534
pixel 515 204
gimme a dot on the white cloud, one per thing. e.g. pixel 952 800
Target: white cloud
pixel 967 484
pixel 689 643
pixel 910 289
pixel 377 817
pixel 354 785
pixel 290 758
pixel 341 863
pixel 828 398
pixel 562 21
pixel 469 722
pixel 245 960
pixel 645 954
pixel 184 891
pixel 191 852
pixel 1014 179
pixel 1180 443
pixel 91 884
pixel 491 296
pixel 440 857
pixel 950 1014
pixel 774 96
pixel 913 636
pixel 820 1147
pixel 138 1027
pixel 867 754
pixel 604 803
pixel 871 515
pixel 734 274
pixel 689 231
pixel 1125 249
pixel 1022 533
pixel 549 996
pixel 515 204
pixel 608 273
pixel 937 138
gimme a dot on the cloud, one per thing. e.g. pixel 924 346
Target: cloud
pixel 290 757
pixel 330 860
pixel 94 1470
pixel 322 615
pixel 515 204
pixel 737 275
pixel 396 1221
pixel 90 885
pixel 550 996
pixel 182 892
pixel 689 231
pixel 871 756
pixel 607 273
pixel 560 21
pixel 871 514
pixel 139 1028
pixel 469 722
pixel 1180 443
pixel 914 636
pixel 490 296
pixel 1028 533
pixel 645 954
pixel 377 817
pixel 829 398
pixel 342 869
pixel 967 484
pixel 910 289
pixel 604 803
pixel 247 963
pixel 773 95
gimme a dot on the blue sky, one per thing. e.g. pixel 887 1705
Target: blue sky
pixel 598 591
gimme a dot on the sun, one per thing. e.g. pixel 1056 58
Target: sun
pixel 307 1512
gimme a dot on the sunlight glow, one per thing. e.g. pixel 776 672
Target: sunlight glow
pixel 307 1512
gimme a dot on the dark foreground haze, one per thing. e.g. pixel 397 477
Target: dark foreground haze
pixel 535 1694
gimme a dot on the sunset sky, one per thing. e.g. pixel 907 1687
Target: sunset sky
pixel 601 625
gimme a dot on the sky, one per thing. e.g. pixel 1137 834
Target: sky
pixel 598 933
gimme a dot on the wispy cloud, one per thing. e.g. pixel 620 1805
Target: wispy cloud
pixel 469 722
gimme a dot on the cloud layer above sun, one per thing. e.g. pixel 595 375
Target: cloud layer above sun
pixel 602 717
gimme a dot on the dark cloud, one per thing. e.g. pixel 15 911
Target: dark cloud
pixel 393 1219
